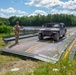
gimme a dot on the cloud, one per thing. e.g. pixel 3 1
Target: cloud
pixel 9 10
pixel 34 2
pixel 55 11
pixel 53 4
pixel 12 12
pixel 45 3
pixel 36 12
pixel 70 5
pixel 67 7
pixel 21 12
pixel 2 15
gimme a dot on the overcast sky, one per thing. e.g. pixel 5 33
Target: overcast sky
pixel 10 8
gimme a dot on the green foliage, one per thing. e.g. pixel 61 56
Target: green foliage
pixel 4 26
pixel 61 68
pixel 38 20
pixel 4 21
pixel 1 23
pixel 6 29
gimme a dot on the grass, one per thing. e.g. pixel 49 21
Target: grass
pixel 3 34
pixel 1 43
pixel 30 66
pixel 10 61
pixel 61 68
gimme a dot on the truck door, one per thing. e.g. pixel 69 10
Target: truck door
pixel 61 30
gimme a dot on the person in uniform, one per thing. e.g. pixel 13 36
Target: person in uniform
pixel 16 30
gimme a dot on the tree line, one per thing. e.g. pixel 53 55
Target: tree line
pixel 6 24
pixel 38 20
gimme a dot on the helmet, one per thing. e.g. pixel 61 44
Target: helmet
pixel 17 21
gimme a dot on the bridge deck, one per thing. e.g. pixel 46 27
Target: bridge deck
pixel 46 50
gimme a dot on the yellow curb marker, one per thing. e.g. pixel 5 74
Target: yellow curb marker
pixel 68 50
pixel 9 45
pixel 36 46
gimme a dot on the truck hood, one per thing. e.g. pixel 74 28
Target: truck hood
pixel 50 29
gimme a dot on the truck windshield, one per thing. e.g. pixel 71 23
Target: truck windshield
pixel 47 25
pixel 55 26
pixel 51 25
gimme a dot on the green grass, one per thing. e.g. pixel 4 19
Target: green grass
pixel 30 66
pixel 63 68
pixel 1 36
pixel 1 43
pixel 4 34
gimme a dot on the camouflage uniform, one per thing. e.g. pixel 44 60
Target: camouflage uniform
pixel 16 30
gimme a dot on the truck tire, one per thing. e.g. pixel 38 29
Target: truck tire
pixel 56 37
pixel 64 34
pixel 40 36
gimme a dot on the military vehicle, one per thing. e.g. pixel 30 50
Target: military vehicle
pixel 54 30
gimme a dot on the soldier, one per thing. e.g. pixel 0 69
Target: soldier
pixel 16 30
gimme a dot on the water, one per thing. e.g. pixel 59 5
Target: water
pixel 30 28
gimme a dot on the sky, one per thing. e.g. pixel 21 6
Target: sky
pixel 20 8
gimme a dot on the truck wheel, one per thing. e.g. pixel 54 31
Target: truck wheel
pixel 56 37
pixel 64 34
pixel 40 37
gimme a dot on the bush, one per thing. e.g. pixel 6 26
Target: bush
pixel 6 29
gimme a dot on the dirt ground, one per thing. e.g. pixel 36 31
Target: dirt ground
pixel 23 65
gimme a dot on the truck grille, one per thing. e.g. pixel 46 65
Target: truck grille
pixel 46 32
